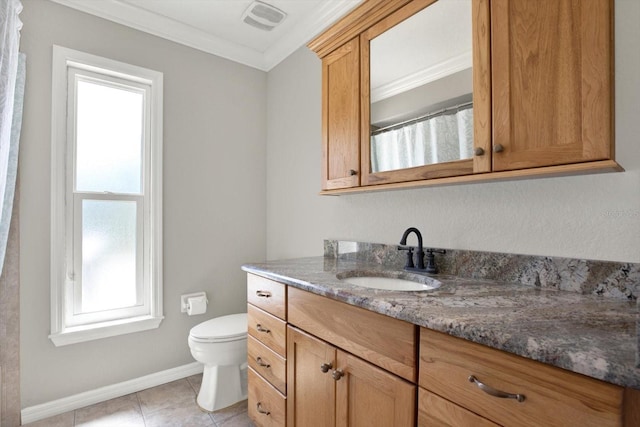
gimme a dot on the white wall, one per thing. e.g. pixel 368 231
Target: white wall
pixel 214 197
pixel 594 217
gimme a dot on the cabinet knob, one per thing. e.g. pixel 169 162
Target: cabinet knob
pixel 479 151
pixel 353 172
pixel 498 148
pixel 337 374
pixel 325 367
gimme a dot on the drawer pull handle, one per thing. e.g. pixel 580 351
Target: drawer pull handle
pixel 260 362
pixel 495 393
pixel 325 367
pixel 262 411
pixel 263 294
pixel 337 374
pixel 259 328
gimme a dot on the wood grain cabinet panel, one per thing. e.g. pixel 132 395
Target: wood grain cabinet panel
pixel 379 339
pixel 271 366
pixel 266 406
pixel 434 411
pixel 267 329
pixel 552 396
pixel 312 393
pixel 369 396
pixel 347 392
pixel 552 82
pixel 341 117
pixel 269 295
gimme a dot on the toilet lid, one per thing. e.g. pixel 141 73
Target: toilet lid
pixel 224 328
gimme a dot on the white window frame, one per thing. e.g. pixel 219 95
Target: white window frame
pixel 70 66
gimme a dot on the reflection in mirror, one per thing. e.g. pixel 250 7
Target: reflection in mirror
pixel 421 89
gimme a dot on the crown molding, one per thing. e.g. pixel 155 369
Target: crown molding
pixel 422 77
pixel 305 30
pixel 161 26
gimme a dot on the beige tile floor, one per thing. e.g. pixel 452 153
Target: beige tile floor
pixel 168 405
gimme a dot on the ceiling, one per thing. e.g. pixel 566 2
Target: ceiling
pixel 216 27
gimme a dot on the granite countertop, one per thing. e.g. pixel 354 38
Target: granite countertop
pixel 591 335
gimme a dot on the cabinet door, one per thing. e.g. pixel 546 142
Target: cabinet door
pixel 311 392
pixel 369 396
pixel 341 117
pixel 551 82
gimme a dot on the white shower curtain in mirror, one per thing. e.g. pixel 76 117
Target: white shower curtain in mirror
pixel 12 75
pixel 443 138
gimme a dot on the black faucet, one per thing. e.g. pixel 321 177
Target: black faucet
pixel 431 264
pixel 403 247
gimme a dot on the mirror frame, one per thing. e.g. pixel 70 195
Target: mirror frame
pixel 481 101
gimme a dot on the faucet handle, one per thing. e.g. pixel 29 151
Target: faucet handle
pixel 431 262
pixel 409 249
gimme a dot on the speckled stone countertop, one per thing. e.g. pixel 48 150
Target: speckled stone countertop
pixel 592 335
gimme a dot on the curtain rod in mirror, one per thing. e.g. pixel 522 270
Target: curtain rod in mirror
pixel 427 116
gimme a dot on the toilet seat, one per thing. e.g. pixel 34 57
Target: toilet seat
pixel 221 329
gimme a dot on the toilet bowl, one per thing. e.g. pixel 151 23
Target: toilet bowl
pixel 221 345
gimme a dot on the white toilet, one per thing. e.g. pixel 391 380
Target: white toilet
pixel 221 345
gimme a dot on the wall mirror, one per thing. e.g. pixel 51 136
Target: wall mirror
pixel 421 89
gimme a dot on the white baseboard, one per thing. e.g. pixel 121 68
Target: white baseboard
pixel 91 397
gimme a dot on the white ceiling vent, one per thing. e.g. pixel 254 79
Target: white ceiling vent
pixel 263 16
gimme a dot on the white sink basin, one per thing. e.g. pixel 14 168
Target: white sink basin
pixel 410 282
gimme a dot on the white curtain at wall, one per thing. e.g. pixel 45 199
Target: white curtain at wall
pixel 12 75
pixel 443 138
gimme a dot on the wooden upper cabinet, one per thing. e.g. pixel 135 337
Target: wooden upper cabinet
pixel 341 117
pixel 552 82
pixel 542 89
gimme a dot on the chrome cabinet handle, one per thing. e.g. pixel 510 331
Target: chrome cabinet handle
pixel 262 411
pixel 498 148
pixel 495 393
pixel 260 362
pixel 263 294
pixel 325 367
pixel 259 328
pixel 479 151
pixel 337 374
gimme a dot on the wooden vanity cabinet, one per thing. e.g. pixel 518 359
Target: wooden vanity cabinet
pixel 267 347
pixel 542 93
pixel 347 392
pixel 314 361
pixel 335 359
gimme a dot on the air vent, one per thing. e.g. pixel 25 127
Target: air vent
pixel 263 16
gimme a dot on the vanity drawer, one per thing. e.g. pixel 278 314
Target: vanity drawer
pixel 434 411
pixel 267 329
pixel 384 341
pixel 272 367
pixel 267 407
pixel 269 295
pixel 552 396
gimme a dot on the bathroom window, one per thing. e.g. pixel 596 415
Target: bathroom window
pixel 106 227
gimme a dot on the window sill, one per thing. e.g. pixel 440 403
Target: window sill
pixel 77 334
